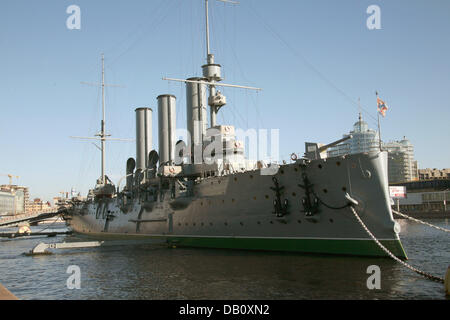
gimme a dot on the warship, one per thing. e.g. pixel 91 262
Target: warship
pixel 204 192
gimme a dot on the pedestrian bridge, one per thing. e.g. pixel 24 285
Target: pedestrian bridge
pixel 11 221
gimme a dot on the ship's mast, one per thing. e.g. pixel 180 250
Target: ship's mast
pixel 208 74
pixel 207 29
pixel 102 135
pixel 103 131
pixel 212 74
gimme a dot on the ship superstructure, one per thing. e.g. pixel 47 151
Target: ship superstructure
pixel 203 192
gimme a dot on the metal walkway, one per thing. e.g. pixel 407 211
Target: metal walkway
pixel 30 218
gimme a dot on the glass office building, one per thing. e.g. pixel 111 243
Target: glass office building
pixel 401 164
pixel 364 140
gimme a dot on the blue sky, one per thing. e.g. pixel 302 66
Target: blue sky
pixel 313 59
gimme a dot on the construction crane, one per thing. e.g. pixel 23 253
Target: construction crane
pixel 10 176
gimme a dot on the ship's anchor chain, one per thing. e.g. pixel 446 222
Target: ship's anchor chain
pixel 390 254
pixel 420 221
pixel 280 208
pixel 310 206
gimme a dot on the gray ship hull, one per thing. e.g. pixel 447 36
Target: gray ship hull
pixel 238 211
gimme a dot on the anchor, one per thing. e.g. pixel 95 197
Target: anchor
pixel 280 209
pixel 311 207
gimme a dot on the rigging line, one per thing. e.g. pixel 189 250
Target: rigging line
pixel 135 29
pixel 83 169
pixel 235 111
pixel 224 31
pixel 246 106
pixel 153 27
pixel 241 70
pixel 243 75
pixel 180 41
pixel 240 120
pixel 256 104
pixel 223 117
pixel 216 22
pixel 296 53
pixel 193 66
pixel 213 33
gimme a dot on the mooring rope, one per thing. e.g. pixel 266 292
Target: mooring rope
pixel 422 273
pixel 48 225
pixel 420 221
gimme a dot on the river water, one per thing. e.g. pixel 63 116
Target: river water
pixel 141 270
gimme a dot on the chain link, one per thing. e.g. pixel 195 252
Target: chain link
pixel 420 221
pixel 422 273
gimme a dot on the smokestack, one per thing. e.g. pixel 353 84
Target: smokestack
pixel 143 138
pixel 196 117
pixel 166 128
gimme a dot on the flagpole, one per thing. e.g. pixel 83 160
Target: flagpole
pixel 379 130
pixel 379 127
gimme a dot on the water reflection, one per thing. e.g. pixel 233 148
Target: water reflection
pixel 139 270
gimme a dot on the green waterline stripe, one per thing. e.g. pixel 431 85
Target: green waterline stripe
pixel 346 247
pixel 361 247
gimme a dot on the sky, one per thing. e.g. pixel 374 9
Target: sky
pixel 313 59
